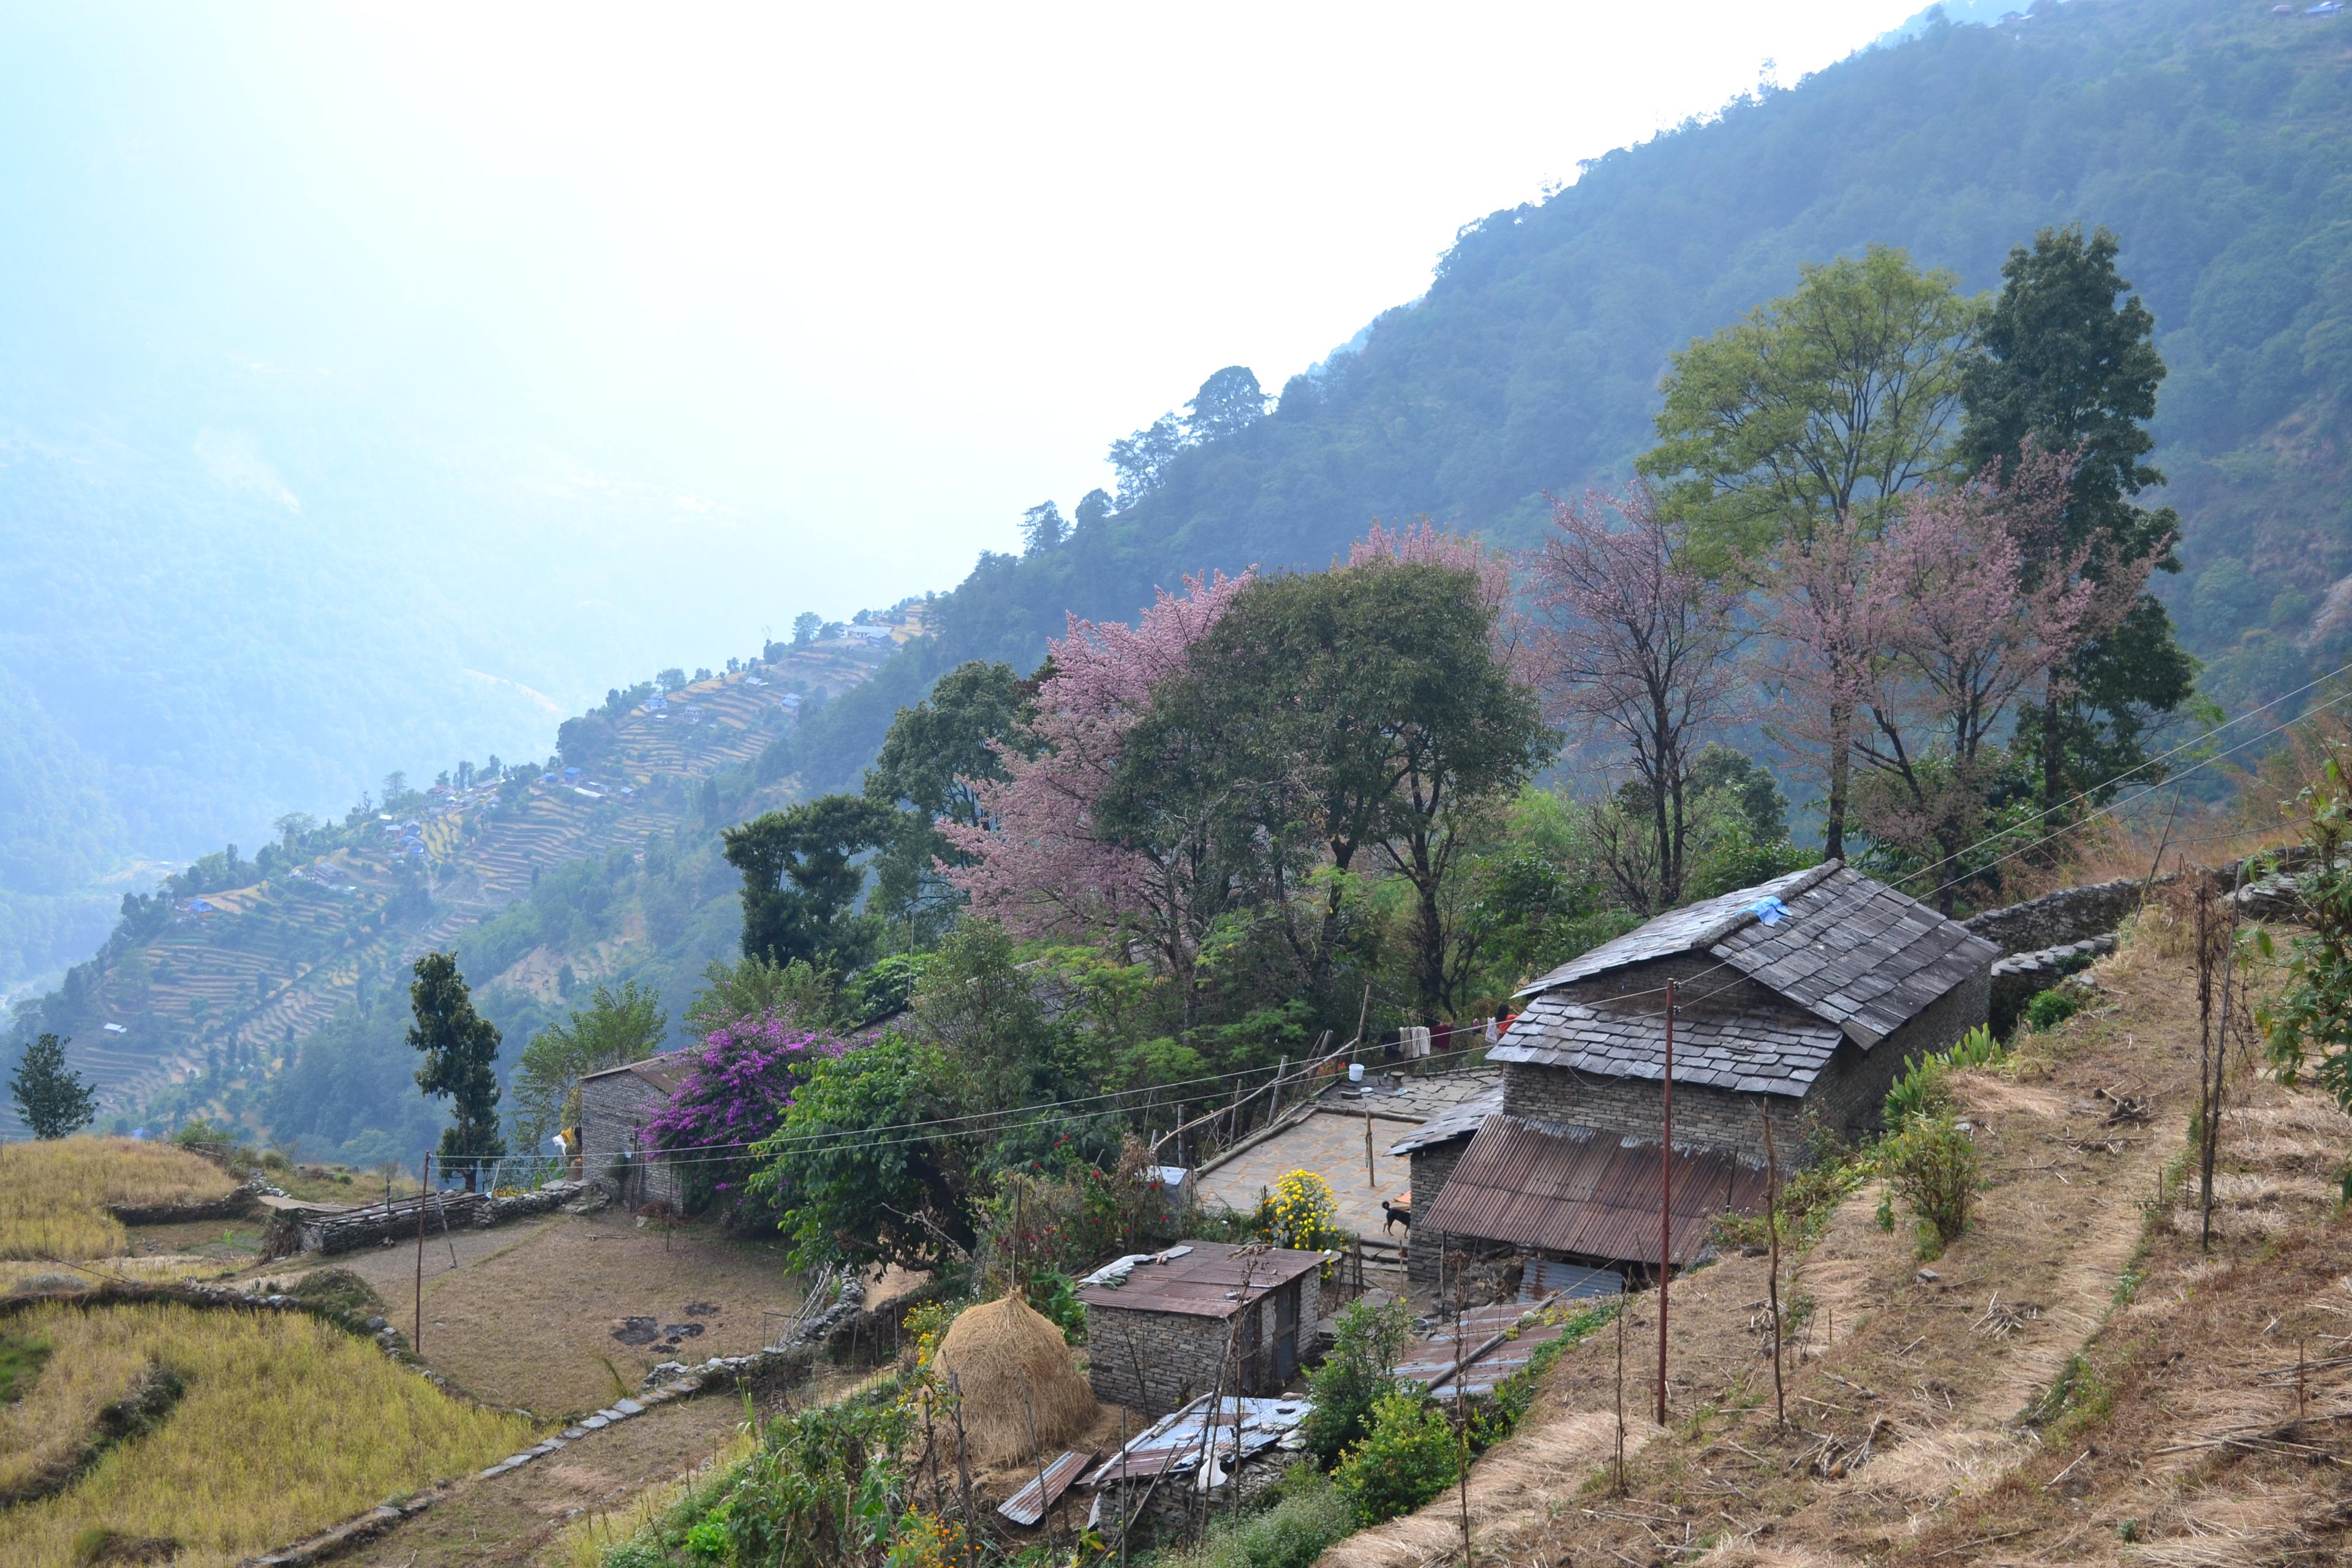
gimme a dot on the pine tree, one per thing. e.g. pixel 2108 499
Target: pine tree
pixel 461 1053
pixel 52 1098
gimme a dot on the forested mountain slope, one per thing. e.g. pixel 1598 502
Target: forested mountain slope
pixel 2215 139
pixel 271 991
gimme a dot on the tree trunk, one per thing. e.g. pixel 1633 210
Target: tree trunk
pixel 2053 750
pixel 1841 777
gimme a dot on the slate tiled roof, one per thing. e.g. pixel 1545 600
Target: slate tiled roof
pixel 1849 950
pixel 1766 1049
pixel 663 1073
pixel 1459 1121
pixel 1585 1192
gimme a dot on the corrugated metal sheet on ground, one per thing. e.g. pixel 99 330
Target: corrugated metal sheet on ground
pixel 1546 1276
pixel 1433 1363
pixel 1028 1506
pixel 1174 1442
pixel 1587 1193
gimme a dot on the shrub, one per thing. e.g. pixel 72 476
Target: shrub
pixel 1410 1455
pixel 1367 1341
pixel 1308 1514
pixel 1932 1167
pixel 2051 1008
pixel 1301 1213
pixel 1924 1091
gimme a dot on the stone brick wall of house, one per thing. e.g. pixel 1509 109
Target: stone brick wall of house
pixel 1154 1362
pixel 612 1108
pixel 1430 1167
pixel 1847 1098
pixel 1462 1255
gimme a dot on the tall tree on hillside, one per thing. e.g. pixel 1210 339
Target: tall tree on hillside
pixel 1228 401
pixel 1042 528
pixel 802 880
pixel 461 1056
pixel 1094 507
pixel 805 625
pixel 2062 365
pixel 1639 650
pixel 932 760
pixel 1142 460
pixel 53 1098
pixel 614 1029
pixel 1812 417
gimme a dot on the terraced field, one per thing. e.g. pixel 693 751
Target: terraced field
pixel 246 976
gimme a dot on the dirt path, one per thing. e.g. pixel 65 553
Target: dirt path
pixel 1906 1386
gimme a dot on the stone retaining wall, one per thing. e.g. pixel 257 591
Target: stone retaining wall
pixel 351 1229
pixel 2072 915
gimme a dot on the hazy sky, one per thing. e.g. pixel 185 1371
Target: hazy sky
pixel 879 277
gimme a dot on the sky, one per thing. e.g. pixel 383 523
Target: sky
pixel 880 278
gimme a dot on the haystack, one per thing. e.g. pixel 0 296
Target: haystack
pixel 1010 1362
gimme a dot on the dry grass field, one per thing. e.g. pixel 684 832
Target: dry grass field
pixel 283 1425
pixel 54 1195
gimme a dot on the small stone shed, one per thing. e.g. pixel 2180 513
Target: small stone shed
pixel 1802 998
pixel 1158 1335
pixel 613 1105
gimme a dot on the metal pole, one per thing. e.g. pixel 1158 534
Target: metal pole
pixel 424 1179
pixel 1665 1196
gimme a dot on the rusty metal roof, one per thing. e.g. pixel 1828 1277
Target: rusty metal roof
pixel 1206 1282
pixel 1028 1506
pixel 1176 1441
pixel 1586 1194
pixel 1849 951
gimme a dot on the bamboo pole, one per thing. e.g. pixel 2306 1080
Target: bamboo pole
pixel 1665 1196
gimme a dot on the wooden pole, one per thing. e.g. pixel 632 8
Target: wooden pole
pixel 963 1460
pixel 2204 1058
pixel 1462 1442
pixel 1037 1457
pixel 1772 1234
pixel 1623 1306
pixel 423 1180
pixel 1372 1178
pixel 1665 1196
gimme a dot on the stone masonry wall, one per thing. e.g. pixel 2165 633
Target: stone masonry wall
pixel 1153 1362
pixel 612 1108
pixel 1847 1098
pixel 2074 914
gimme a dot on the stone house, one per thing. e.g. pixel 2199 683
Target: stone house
pixel 614 1104
pixel 1160 1331
pixel 1800 999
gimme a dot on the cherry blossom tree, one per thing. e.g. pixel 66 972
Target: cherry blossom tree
pixel 1975 600
pixel 1638 649
pixel 1041 862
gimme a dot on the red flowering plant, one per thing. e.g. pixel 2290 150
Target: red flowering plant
pixel 742 1081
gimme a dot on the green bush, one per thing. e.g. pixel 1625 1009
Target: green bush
pixel 1932 1166
pixel 1366 1343
pixel 1924 1091
pixel 2051 1008
pixel 1410 1455
pixel 1309 1513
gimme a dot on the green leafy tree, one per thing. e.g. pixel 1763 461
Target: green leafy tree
pixel 1361 711
pixel 982 1007
pixel 2311 1017
pixel 861 1171
pixel 53 1098
pixel 461 1056
pixel 1228 401
pixel 1367 1340
pixel 935 752
pixel 733 992
pixel 614 1029
pixel 1789 438
pixel 2060 364
pixel 805 625
pixel 1409 1455
pixel 1042 528
pixel 802 879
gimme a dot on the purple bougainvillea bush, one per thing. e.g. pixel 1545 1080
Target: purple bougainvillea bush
pixel 743 1078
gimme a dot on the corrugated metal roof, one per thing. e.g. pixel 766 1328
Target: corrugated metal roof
pixel 1460 1121
pixel 1207 1281
pixel 1174 1442
pixel 1587 1193
pixel 1028 1504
